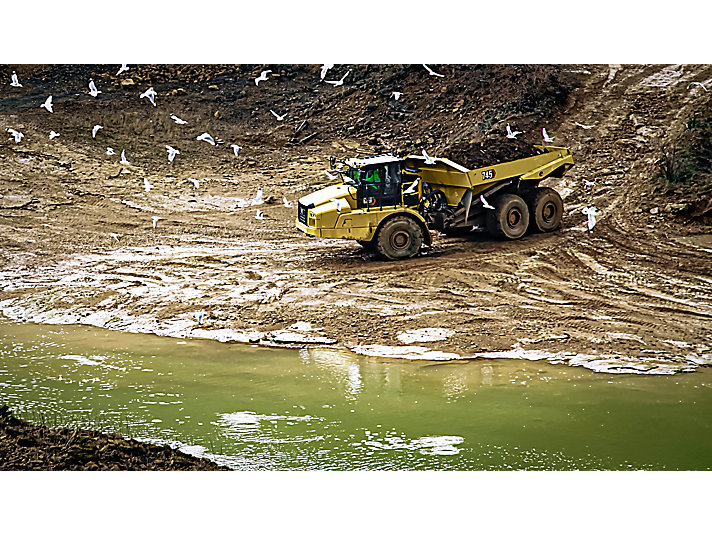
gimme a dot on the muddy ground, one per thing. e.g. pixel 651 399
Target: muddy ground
pixel 28 447
pixel 634 295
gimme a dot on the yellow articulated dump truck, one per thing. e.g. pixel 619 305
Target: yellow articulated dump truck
pixel 390 202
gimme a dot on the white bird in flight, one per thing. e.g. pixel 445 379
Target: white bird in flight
pixel 195 182
pixel 124 161
pixel 583 125
pixel 396 95
pixel 17 135
pixel 511 134
pixel 486 204
pixel 236 149
pixel 325 68
pixel 92 89
pixel 547 139
pixel 115 236
pixel 146 185
pixel 331 176
pixel 150 94
pixel 48 104
pixel 591 213
pixel 172 152
pixel 155 220
pixel 413 187
pixel 428 159
pixel 278 117
pixel 698 83
pixel 287 203
pixel 262 77
pixel 259 215
pixel 95 130
pixel 15 82
pixel 206 137
pixel 123 68
pixel 110 151
pixel 258 198
pixel 53 134
pixel 178 120
pixel 432 72
pixel 339 82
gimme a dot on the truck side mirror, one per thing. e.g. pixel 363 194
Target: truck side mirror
pixel 332 162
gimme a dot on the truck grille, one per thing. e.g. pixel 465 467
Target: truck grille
pixel 302 213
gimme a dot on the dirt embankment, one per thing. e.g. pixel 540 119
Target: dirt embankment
pixel 631 296
pixel 28 447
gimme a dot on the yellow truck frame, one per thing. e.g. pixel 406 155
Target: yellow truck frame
pixel 389 203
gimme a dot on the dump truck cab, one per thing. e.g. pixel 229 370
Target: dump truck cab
pixel 389 202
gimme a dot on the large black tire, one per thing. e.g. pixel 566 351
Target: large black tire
pixel 545 209
pixel 510 218
pixel 399 238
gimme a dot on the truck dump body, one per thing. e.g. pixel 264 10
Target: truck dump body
pixel 433 193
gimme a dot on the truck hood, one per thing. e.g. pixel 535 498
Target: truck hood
pixel 326 195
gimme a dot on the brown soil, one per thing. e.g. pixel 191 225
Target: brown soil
pixel 27 447
pixel 637 287
pixel 492 151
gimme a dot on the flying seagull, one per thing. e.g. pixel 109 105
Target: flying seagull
pixel 259 215
pixel 178 120
pixel 428 159
pixel 48 104
pixel 172 152
pixel 124 161
pixel 155 220
pixel 583 125
pixel 199 316
pixel 146 185
pixel 17 135
pixel 195 182
pixel 698 83
pixel 150 94
pixel 115 236
pixel 396 95
pixel 486 204
pixel 206 137
pixel 15 82
pixel 547 139
pixel 110 151
pixel 511 134
pixel 331 176
pixel 287 203
pixel 236 149
pixel 262 77
pixel 53 134
pixel 413 187
pixel 258 198
pixel 95 130
pixel 325 68
pixel 591 213
pixel 92 89
pixel 278 117
pixel 339 82
pixel 432 72
pixel 123 68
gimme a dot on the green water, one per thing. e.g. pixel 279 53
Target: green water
pixel 257 408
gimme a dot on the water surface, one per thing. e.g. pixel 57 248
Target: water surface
pixel 252 407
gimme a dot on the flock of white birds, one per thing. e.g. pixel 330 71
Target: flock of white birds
pixel 150 94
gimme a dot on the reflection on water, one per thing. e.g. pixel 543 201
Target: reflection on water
pixel 256 408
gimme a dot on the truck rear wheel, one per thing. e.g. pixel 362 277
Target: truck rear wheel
pixel 510 218
pixel 399 238
pixel 545 209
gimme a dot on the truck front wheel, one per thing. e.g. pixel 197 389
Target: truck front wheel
pixel 510 218
pixel 399 238
pixel 545 209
